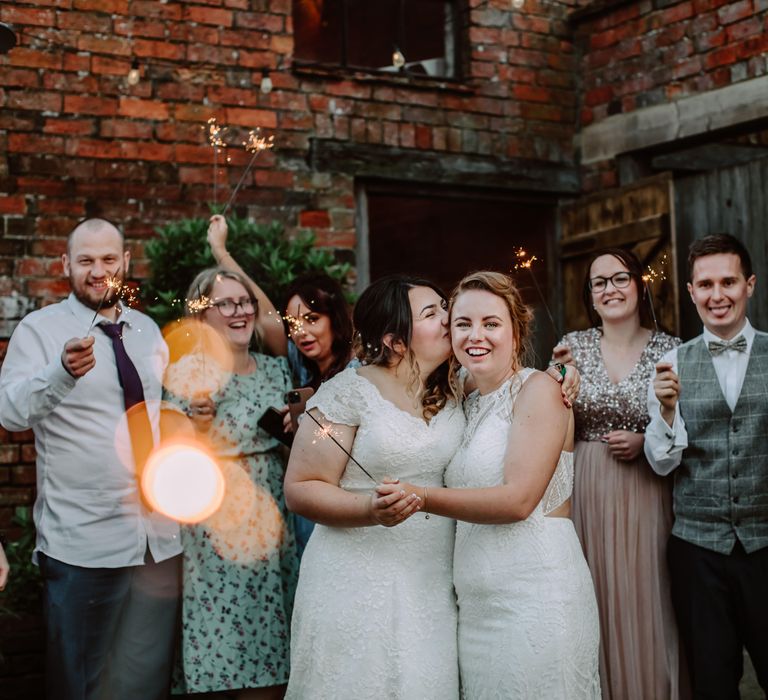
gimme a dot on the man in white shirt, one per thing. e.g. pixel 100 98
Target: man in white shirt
pixel 110 567
pixel 708 405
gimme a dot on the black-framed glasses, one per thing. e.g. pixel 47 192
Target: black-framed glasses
pixel 228 307
pixel 620 280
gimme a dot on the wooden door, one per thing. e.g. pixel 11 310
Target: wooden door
pixel 726 200
pixel 639 217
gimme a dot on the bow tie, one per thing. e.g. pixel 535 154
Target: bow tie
pixel 718 347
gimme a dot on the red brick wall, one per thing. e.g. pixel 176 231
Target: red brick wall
pixel 646 53
pixel 75 140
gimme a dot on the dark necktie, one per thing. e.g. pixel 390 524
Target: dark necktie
pixel 139 425
pixel 718 347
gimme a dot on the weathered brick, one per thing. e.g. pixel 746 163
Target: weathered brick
pixel 209 15
pixel 13 204
pixel 158 49
pixel 116 7
pixel 75 104
pixel 735 11
pixel 34 100
pixel 142 109
pixel 27 15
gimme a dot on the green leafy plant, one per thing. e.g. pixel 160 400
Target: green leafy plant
pixel 25 586
pixel 271 258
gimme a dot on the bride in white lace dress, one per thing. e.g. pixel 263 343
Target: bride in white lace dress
pixel 375 610
pixel 528 626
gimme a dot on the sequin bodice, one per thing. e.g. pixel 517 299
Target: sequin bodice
pixel 603 405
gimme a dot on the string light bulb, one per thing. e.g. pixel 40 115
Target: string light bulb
pixel 398 59
pixel 134 75
pixel 266 83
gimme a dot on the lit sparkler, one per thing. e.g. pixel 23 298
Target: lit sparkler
pixel 525 262
pixel 199 304
pixel 648 279
pixel 326 432
pixel 256 144
pixel 114 284
pixel 216 139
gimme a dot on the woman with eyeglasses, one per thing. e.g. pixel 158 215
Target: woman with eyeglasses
pixel 622 510
pixel 240 565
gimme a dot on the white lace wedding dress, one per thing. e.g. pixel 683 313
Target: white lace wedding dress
pixel 375 611
pixel 528 626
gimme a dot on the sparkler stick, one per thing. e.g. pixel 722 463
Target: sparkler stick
pixel 326 432
pixel 649 278
pixel 202 341
pixel 215 138
pixel 113 283
pixel 256 144
pixel 526 263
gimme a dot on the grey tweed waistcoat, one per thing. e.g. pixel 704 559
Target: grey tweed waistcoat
pixel 721 485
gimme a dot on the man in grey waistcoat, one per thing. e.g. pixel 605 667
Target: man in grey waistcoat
pixel 709 425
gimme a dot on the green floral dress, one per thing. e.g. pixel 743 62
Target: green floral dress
pixel 240 565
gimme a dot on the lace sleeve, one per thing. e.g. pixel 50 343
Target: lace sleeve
pixel 341 399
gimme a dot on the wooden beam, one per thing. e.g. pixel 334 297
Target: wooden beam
pixel 467 171
pixel 715 110
pixel 645 229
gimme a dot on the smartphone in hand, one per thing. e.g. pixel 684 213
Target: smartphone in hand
pixel 271 422
pixel 297 403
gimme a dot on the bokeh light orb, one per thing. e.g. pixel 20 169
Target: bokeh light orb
pixel 249 526
pixel 183 482
pixel 200 360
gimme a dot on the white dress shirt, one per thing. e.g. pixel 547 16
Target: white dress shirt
pixel 664 445
pixel 88 512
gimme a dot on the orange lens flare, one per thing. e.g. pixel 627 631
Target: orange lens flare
pixel 183 481
pixel 249 526
pixel 200 359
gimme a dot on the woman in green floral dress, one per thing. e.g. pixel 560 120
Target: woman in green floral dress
pixel 240 564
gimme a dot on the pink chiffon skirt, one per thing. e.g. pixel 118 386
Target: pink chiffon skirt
pixel 622 512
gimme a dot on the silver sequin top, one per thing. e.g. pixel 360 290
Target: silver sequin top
pixel 603 406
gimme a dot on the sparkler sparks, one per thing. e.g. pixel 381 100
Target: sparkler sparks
pixel 324 432
pixel 215 133
pixel 200 304
pixel 114 284
pixel 649 278
pixel 295 324
pixel 525 262
pixel 216 139
pixel 256 144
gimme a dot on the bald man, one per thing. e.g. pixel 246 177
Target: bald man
pixel 109 566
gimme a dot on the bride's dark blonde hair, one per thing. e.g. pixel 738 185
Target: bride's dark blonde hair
pixel 504 287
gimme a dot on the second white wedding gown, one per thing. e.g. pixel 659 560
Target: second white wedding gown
pixel 528 625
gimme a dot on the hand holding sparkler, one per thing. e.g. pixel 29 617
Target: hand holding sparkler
pixel 77 357
pixel 202 411
pixel 217 236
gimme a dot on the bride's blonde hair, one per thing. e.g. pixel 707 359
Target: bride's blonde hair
pixel 504 287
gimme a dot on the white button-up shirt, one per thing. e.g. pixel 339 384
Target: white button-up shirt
pixel 664 445
pixel 88 512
